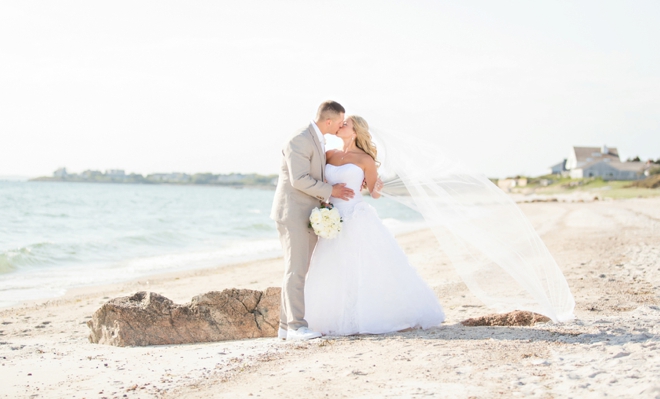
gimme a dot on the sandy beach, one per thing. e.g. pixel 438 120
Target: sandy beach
pixel 609 252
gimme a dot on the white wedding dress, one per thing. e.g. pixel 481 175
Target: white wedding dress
pixel 361 281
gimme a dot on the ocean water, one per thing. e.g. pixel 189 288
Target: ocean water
pixel 56 236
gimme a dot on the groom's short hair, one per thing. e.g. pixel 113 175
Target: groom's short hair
pixel 329 110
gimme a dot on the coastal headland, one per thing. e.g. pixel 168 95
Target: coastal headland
pixel 120 176
pixel 608 251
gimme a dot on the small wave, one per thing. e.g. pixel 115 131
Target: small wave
pixel 51 282
pixel 35 255
pixel 13 259
pixel 5 265
pixel 153 238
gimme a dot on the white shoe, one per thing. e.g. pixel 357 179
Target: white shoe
pixel 281 333
pixel 301 334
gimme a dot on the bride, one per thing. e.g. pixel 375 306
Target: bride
pixel 361 281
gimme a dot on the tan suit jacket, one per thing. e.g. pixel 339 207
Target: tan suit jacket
pixel 301 186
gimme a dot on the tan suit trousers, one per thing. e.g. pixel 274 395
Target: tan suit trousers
pixel 298 242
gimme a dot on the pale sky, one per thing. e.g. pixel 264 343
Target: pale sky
pixel 215 86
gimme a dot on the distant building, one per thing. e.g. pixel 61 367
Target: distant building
pixel 650 166
pixel 157 177
pixel 581 156
pixel 115 173
pixel 510 183
pixel 90 174
pixel 600 162
pixel 178 177
pixel 611 170
pixel 230 178
pixel 61 172
pixel 169 177
pixel 557 169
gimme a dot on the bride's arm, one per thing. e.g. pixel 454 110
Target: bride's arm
pixel 371 176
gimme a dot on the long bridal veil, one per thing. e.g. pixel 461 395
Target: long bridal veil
pixel 492 245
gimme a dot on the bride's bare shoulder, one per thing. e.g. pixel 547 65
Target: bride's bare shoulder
pixel 330 153
pixel 365 160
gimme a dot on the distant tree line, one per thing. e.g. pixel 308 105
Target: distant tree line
pixel 637 159
pixel 119 176
pixel 655 170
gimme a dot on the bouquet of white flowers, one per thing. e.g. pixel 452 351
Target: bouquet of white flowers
pixel 325 221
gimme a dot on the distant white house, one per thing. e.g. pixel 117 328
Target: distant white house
pixel 579 157
pixel 600 162
pixel 61 172
pixel 611 170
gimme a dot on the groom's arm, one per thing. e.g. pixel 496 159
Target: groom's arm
pixel 298 155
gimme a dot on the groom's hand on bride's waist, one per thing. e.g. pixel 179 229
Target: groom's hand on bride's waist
pixel 340 191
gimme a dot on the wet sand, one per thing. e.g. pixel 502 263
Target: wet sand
pixel 608 250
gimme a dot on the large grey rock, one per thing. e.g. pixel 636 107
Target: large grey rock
pixel 147 318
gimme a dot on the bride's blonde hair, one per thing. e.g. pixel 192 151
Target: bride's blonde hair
pixel 363 137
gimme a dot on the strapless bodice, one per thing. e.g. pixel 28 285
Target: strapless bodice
pixel 350 174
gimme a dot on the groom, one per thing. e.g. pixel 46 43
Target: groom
pixel 300 188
